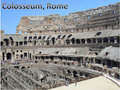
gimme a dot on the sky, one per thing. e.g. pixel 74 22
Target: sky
pixel 10 18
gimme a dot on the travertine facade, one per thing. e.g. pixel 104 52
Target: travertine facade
pixel 88 40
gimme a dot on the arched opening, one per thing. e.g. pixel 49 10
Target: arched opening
pixel 118 39
pixel 88 40
pixel 11 39
pixel 25 38
pixel 86 75
pixel 98 33
pixel 94 40
pixel 47 42
pixel 17 67
pixel 6 41
pixel 35 37
pixel 73 40
pixel 58 36
pixel 25 42
pixel 105 40
pixel 69 36
pixel 8 56
pixel 68 71
pixel 75 74
pixel 1 43
pixel 21 56
pixel 51 57
pixel 47 62
pixel 16 43
pixel 25 54
pixel 30 37
pixel 23 68
pixel 39 37
pixel 81 74
pixel 53 40
pixel 77 41
pixel 30 55
pixel 63 37
pixel 83 40
pixel 68 41
pixel 112 39
pixel 35 43
pixel 99 40
pixel 3 55
pixel 42 58
pixel 21 43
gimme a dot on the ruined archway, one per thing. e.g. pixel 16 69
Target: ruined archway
pixel 6 42
pixel 21 56
pixel 53 40
pixel 88 40
pixel 73 40
pixel 83 40
pixel 99 40
pixel 105 40
pixel 112 39
pixel 77 41
pixel 9 56
pixel 75 74
pixel 68 41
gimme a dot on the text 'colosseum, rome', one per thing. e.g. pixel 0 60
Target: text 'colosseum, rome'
pixel 51 52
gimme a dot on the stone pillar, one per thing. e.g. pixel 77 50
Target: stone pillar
pixel 115 40
pixel 85 41
pixel 5 58
pixel 93 60
pixel 12 58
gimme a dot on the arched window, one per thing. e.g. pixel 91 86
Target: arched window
pixel 105 40
pixel 73 40
pixel 69 36
pixel 30 37
pixel 25 42
pixel 1 43
pixel 112 39
pixel 35 37
pixel 9 56
pixel 6 41
pixel 83 40
pixel 21 43
pixel 88 40
pixel 25 38
pixel 39 37
pixel 53 40
pixel 68 41
pixel 99 40
pixel 94 40
pixel 77 41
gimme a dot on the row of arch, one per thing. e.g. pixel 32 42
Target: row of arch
pixel 53 41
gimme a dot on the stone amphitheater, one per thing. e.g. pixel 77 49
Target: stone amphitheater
pixel 51 51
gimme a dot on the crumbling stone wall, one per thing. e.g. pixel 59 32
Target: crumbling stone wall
pixel 101 18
